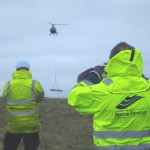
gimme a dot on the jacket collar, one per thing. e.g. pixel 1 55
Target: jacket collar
pixel 22 74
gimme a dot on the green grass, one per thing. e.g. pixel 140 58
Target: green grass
pixel 62 127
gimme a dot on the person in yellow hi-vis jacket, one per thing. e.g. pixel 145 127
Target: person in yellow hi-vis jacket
pixel 22 95
pixel 118 96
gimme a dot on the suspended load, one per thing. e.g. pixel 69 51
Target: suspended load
pixel 56 90
pixel 55 86
pixel 53 31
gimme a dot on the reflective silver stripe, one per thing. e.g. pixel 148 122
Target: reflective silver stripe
pixel 30 112
pixel 128 147
pixel 11 101
pixel 107 81
pixel 8 90
pixel 32 89
pixel 87 82
pixel 127 134
pixel 20 101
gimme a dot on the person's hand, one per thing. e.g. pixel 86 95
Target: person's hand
pixel 84 74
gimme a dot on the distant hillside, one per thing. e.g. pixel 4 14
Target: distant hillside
pixel 62 127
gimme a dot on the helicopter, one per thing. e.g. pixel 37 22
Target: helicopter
pixel 53 30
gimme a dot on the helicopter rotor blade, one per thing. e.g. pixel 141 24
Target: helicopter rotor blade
pixel 62 24
pixel 50 23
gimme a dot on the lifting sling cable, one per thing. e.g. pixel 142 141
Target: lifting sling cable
pixel 55 86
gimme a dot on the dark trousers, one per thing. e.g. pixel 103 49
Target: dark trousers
pixel 31 141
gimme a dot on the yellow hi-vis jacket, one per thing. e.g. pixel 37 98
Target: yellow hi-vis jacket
pixel 120 104
pixel 22 95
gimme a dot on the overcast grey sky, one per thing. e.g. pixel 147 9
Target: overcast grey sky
pixel 95 27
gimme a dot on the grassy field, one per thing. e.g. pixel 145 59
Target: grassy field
pixel 62 127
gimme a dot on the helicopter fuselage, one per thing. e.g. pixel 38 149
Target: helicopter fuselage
pixel 53 30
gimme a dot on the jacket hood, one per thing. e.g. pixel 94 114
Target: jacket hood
pixel 22 74
pixel 125 63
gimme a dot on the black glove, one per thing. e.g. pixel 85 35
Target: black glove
pixel 99 71
pixel 84 74
pixel 97 74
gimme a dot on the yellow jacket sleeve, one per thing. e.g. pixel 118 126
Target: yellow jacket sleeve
pixel 87 99
pixel 39 93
